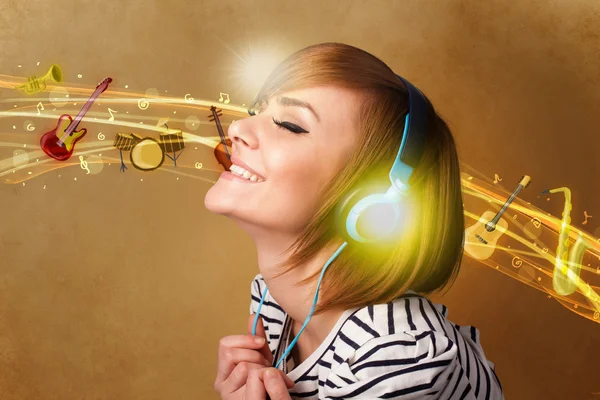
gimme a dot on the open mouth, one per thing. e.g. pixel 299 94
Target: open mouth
pixel 243 173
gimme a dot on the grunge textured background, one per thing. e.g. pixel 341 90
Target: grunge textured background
pixel 116 288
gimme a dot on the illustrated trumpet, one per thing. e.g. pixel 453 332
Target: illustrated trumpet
pixel 35 85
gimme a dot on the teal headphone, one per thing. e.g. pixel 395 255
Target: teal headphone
pixel 357 205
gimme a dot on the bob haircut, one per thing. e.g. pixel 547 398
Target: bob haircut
pixel 427 257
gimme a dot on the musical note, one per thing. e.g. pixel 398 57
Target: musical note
pixel 83 165
pixel 143 104
pixel 188 99
pixel 221 98
pixel 40 105
pixel 497 178
pixel 101 136
pixel 586 217
pixel 112 117
pixel 516 262
pixel 198 165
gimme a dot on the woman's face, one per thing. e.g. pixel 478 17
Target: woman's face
pixel 292 166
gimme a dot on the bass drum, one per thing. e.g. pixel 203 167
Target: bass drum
pixel 147 155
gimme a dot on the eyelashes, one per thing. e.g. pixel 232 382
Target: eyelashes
pixel 293 128
pixel 290 127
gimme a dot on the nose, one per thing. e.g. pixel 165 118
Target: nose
pixel 242 133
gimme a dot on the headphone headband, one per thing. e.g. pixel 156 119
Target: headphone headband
pixel 413 138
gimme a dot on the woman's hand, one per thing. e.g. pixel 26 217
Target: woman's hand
pixel 238 356
pixel 267 381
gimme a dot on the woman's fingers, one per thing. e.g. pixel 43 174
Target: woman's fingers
pixel 237 379
pixel 235 349
pixel 263 381
pixel 255 388
pixel 260 332
pixel 275 385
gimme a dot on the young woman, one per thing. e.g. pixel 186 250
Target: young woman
pixel 329 121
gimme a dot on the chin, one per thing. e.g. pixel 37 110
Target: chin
pixel 217 203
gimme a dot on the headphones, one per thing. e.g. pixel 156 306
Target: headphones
pixel 358 206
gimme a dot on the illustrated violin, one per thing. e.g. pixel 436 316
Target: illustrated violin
pixel 221 154
pixel 223 149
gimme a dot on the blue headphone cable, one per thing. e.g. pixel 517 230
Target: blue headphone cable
pixel 312 309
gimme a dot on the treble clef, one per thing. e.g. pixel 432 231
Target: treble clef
pixel 83 164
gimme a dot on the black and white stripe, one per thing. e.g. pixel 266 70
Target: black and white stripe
pixel 405 349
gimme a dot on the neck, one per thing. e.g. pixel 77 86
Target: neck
pixel 296 300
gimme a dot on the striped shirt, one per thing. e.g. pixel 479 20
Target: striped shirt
pixel 405 349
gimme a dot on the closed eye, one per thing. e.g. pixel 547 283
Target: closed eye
pixel 283 124
pixel 289 126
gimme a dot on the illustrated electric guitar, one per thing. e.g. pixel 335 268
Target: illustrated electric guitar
pixel 481 237
pixel 223 150
pixel 59 143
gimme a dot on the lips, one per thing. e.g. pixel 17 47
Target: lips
pixel 237 161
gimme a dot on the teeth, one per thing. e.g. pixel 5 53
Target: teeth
pixel 243 173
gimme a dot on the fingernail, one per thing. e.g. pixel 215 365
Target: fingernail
pixel 259 340
pixel 270 374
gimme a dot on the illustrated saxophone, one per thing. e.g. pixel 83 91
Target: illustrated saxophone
pixel 562 283
pixel 560 276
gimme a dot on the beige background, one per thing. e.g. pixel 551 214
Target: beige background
pixel 117 288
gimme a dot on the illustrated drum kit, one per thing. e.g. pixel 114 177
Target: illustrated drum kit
pixel 148 154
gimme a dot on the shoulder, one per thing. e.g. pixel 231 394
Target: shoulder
pixel 410 313
pixel 403 348
pixel 392 365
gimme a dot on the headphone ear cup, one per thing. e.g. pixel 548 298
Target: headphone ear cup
pixel 344 207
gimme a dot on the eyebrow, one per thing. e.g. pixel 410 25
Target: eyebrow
pixel 289 101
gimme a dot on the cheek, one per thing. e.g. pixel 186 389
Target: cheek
pixel 299 186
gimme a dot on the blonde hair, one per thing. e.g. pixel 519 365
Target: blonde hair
pixel 428 257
